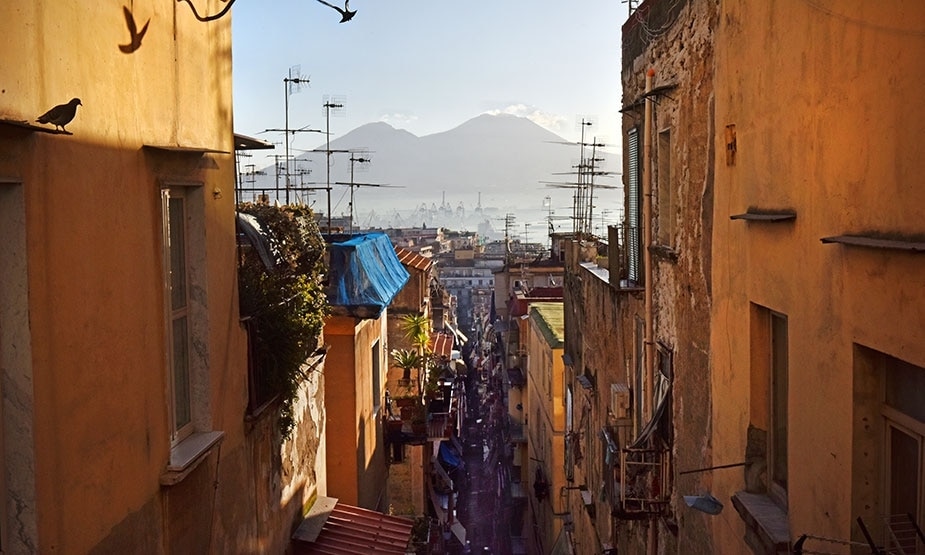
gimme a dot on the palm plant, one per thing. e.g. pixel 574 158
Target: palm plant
pixel 406 359
pixel 417 330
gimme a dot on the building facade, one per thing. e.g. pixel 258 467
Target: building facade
pixel 125 418
pixel 365 277
pixel 545 428
pixel 818 314
pixel 664 283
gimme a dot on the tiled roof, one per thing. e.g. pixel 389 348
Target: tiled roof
pixel 352 530
pixel 413 259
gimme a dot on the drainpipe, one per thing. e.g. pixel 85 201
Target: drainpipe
pixel 652 547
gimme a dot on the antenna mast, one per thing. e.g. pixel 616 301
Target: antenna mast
pixel 329 103
pixel 291 84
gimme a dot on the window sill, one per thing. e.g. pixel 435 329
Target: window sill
pixel 767 525
pixel 186 456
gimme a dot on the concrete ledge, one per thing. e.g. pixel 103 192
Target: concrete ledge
pixel 186 455
pixel 767 526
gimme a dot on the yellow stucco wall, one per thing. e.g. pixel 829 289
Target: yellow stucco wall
pixel 545 413
pixel 355 444
pixel 96 409
pixel 825 99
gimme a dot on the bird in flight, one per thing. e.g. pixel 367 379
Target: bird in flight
pixel 135 36
pixel 61 115
pixel 345 14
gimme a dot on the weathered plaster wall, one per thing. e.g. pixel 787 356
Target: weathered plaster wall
pixel 675 39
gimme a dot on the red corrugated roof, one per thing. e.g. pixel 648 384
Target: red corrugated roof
pixel 352 530
pixel 413 259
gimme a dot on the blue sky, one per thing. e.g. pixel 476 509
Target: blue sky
pixel 428 66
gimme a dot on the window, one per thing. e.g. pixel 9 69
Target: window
pixel 904 454
pixel 777 459
pixel 376 377
pixel 639 371
pixel 763 503
pixel 662 385
pixel 178 299
pixel 770 398
pixel 633 207
pixel 187 354
pixel 666 198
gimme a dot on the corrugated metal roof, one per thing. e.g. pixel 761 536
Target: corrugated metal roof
pixel 353 530
pixel 413 259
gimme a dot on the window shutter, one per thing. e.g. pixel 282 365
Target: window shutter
pixel 633 207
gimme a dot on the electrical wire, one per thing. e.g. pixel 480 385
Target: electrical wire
pixel 209 17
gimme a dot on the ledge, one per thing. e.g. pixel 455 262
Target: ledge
pixel 185 149
pixel 767 529
pixel 783 216
pixel 186 456
pixel 25 125
pixel 876 243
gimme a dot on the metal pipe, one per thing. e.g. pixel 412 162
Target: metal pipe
pixel 731 465
pixel 652 547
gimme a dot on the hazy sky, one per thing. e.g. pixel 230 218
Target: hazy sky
pixel 428 66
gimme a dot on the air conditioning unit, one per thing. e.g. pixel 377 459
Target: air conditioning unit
pixel 620 400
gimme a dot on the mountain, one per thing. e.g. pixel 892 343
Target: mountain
pixel 490 160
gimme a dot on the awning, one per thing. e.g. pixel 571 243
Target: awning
pixel 563 545
pixel 258 238
pixel 459 335
pixel 654 424
pixel 441 344
pixel 243 142
pixel 334 528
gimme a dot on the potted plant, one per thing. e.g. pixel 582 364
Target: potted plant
pixel 406 359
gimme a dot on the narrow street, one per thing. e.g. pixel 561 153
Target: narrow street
pixel 484 495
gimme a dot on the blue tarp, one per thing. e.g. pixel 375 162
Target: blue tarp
pixel 448 456
pixel 365 275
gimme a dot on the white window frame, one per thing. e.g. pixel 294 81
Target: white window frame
pixel 194 311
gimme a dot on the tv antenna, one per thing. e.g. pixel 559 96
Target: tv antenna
pixel 291 85
pixel 363 161
pixel 332 103
pixel 583 204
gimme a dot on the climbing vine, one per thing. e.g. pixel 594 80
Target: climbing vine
pixel 282 299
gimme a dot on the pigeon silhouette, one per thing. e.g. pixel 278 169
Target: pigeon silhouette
pixel 61 114
pixel 135 36
pixel 345 14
